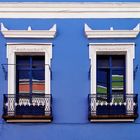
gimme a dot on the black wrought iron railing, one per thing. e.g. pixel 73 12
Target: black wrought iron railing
pixel 115 105
pixel 32 105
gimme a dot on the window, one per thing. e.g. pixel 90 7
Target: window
pixel 110 83
pixel 29 95
pixel 110 75
pixel 30 74
pixel 112 97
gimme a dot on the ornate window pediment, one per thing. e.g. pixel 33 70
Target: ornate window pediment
pixel 90 33
pixel 28 33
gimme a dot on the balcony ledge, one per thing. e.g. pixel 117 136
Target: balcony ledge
pixel 27 118
pixel 112 118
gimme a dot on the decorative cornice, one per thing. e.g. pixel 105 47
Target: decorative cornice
pixel 69 9
pixel 28 33
pixel 111 33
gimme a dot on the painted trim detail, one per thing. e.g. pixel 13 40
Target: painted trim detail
pixel 28 33
pixel 69 10
pixel 111 33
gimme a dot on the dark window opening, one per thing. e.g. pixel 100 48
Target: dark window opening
pixel 30 74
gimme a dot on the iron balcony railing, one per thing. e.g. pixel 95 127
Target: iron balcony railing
pixel 113 106
pixel 23 106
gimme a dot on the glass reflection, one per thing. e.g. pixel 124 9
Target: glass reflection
pixel 23 82
pixel 30 74
pixel 117 75
pixel 110 78
pixel 102 86
pixel 38 81
pixel 118 81
pixel 102 81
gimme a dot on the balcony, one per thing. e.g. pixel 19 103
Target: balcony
pixel 117 107
pixel 27 108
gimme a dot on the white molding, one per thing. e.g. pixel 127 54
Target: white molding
pixel 14 48
pixel 69 9
pixel 112 120
pixel 28 33
pixel 26 120
pixel 111 33
pixel 127 49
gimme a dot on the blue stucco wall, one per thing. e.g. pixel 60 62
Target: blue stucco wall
pixel 69 1
pixel 70 85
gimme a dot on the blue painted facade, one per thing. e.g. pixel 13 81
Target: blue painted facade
pixel 69 1
pixel 70 84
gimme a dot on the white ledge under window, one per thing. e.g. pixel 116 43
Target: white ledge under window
pixel 90 33
pixel 29 33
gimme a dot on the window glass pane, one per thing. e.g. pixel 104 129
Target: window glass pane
pixel 121 91
pixel 117 85
pixel 23 62
pixel 110 78
pixel 23 81
pixel 101 81
pixel 102 61
pixel 101 88
pixel 117 75
pixel 118 61
pixel 38 62
pixel 102 76
pixel 117 89
pixel 38 81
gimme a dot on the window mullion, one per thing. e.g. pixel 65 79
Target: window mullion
pixel 110 77
pixel 30 71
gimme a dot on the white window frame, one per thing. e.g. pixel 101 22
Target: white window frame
pixel 127 49
pixel 27 48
